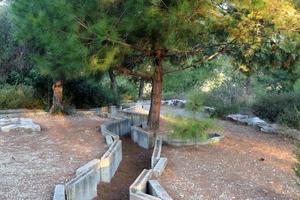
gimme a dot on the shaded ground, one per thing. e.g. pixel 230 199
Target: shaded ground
pixel 247 164
pixel 135 159
pixel 32 163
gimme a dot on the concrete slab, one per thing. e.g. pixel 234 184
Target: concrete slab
pixel 59 192
pixel 83 187
pixel 141 137
pixel 160 167
pixel 156 152
pixel 155 189
pixel 110 161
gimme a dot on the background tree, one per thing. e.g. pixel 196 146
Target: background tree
pixel 56 49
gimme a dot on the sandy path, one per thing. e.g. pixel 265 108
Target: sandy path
pixel 135 160
pixel 32 163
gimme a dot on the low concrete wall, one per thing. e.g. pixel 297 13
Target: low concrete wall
pixel 83 187
pixel 88 176
pixel 143 138
pixel 155 189
pixel 143 187
pixel 156 152
pixel 136 119
pixel 59 192
pixel 110 161
pixel 213 138
pixel 119 127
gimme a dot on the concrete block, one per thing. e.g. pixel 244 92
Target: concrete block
pixel 142 196
pixel 119 127
pixel 140 183
pixel 156 152
pixel 160 167
pixel 83 187
pixel 109 140
pixel 110 161
pixel 141 137
pixel 136 119
pixel 155 189
pixel 59 192
pixel 92 165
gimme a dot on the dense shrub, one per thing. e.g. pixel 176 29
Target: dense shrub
pixel 228 98
pixel 84 93
pixel 190 128
pixel 274 106
pixel 290 117
pixel 19 96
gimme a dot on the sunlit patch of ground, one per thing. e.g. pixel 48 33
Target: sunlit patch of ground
pixel 32 163
pixel 247 164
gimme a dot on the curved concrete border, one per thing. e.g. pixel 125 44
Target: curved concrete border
pixel 213 138
pixel 84 185
pixel 144 187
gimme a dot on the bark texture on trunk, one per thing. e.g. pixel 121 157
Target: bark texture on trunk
pixel 157 80
pixel 141 88
pixel 57 105
pixel 113 80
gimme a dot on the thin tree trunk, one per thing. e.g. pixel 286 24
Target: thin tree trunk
pixel 154 113
pixel 113 81
pixel 141 88
pixel 57 105
pixel 248 85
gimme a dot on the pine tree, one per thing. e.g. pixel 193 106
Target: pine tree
pixel 56 48
pixel 158 37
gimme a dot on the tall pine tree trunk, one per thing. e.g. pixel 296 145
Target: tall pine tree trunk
pixel 141 88
pixel 57 105
pixel 157 80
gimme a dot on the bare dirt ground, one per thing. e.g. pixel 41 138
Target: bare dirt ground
pixel 247 164
pixel 135 159
pixel 32 163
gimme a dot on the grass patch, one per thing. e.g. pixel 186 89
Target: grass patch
pixel 190 128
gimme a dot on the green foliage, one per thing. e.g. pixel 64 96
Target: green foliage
pixel 87 93
pixel 227 98
pixel 51 29
pixel 19 96
pixel 272 106
pixel 296 86
pixel 190 128
pixel 290 117
pixel 195 101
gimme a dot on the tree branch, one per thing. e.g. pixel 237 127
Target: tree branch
pixel 144 51
pixel 197 49
pixel 127 72
pixel 203 60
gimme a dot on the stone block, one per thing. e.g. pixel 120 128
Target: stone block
pixel 140 183
pixel 109 140
pixel 92 165
pixel 156 152
pixel 110 161
pixel 155 189
pixel 160 167
pixel 59 192
pixel 142 196
pixel 143 138
pixel 83 187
